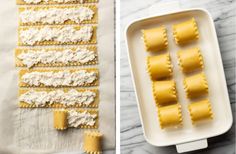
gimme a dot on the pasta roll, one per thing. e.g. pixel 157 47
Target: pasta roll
pixel 60 119
pixel 159 67
pixel 186 31
pixel 170 115
pixel 155 39
pixel 92 142
pixel 164 92
pixel 190 60
pixel 196 85
pixel 200 110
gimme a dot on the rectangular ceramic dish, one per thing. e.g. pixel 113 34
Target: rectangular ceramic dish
pixel 189 137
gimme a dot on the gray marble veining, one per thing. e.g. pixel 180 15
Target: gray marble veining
pixel 224 15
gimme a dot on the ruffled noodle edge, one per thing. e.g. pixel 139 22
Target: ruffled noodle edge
pixel 22 2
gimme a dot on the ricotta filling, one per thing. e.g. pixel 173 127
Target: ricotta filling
pixel 72 97
pixel 56 15
pixel 76 119
pixel 47 1
pixel 81 55
pixel 62 35
pixel 61 78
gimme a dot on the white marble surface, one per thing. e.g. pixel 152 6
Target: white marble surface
pixel 224 14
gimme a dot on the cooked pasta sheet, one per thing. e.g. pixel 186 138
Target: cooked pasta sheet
pixel 58 78
pixel 79 118
pixel 185 32
pixel 164 92
pixel 42 57
pixel 155 39
pixel 43 15
pixel 92 142
pixel 196 85
pixel 170 115
pixel 200 110
pixel 36 2
pixel 56 35
pixel 58 98
pixel 159 67
pixel 60 119
pixel 190 60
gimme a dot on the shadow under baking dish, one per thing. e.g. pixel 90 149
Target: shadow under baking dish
pixel 218 94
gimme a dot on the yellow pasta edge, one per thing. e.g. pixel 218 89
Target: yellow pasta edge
pixel 179 116
pixel 149 67
pixel 68 22
pixel 59 105
pixel 164 31
pixel 18 62
pixel 195 28
pixel 176 38
pixel 23 71
pixel 174 92
pixel 205 82
pixel 145 40
pixel 93 39
pixel 22 2
pixel 200 58
pixel 209 110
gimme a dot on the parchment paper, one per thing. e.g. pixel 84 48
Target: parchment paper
pixel 31 130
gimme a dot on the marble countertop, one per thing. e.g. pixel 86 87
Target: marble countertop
pixel 224 15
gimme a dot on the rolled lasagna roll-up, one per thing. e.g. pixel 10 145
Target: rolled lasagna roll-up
pixel 159 67
pixel 155 39
pixel 190 60
pixel 164 92
pixel 196 85
pixel 200 110
pixel 170 115
pixel 186 31
pixel 92 142
pixel 60 119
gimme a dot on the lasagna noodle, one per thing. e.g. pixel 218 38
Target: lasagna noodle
pixel 93 39
pixel 58 104
pixel 159 67
pixel 60 119
pixel 22 2
pixel 190 60
pixel 200 110
pixel 92 142
pixel 196 85
pixel 155 39
pixel 164 92
pixel 170 115
pixel 39 8
pixel 186 31
pixel 24 71
pixel 19 51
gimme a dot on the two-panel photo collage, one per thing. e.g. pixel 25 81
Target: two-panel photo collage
pixel 117 76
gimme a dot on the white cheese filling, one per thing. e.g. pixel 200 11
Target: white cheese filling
pixel 47 1
pixel 61 78
pixel 72 97
pixel 56 15
pixel 62 35
pixel 76 119
pixel 81 55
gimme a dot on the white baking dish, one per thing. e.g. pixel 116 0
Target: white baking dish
pixel 188 137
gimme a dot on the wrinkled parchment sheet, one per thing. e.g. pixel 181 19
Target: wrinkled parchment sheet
pixel 30 131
